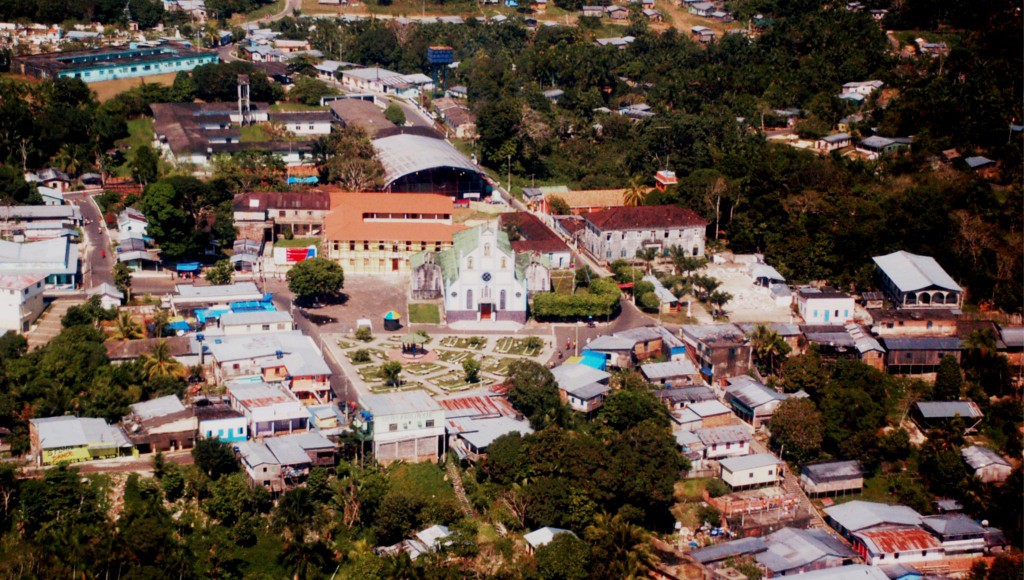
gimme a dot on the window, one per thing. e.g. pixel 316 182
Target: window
pixel 393 427
pixel 751 475
pixel 281 213
pixel 666 234
pixel 239 430
pixel 815 314
pixel 504 263
pixel 366 246
pixel 836 314
pixel 469 263
pixel 728 445
pixel 429 423
pixel 487 250
pixel 769 472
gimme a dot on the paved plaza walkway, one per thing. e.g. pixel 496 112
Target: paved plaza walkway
pixel 440 370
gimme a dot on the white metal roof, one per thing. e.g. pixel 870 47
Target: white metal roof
pixel 399 403
pixel 69 431
pixel 668 370
pixel 911 272
pixel 744 462
pixel 543 536
pixel 404 154
pixel 160 407
pixel 858 515
pixel 573 376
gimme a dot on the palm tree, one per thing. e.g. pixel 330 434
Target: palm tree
pixel 125 327
pixel 621 548
pixel 719 299
pixel 159 362
pixel 707 286
pixel 648 255
pixel 768 346
pixel 636 193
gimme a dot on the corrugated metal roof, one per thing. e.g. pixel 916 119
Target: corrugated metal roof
pixel 947 343
pixel 897 539
pixel 481 432
pixel 1013 336
pixel 611 343
pixel 752 392
pixel 953 525
pixel 745 462
pixel 154 408
pixel 543 536
pixel 668 370
pixel 399 403
pixel 834 471
pixel 911 272
pixel 299 354
pixel 980 457
pixel 718 435
pixel 69 431
pixel 708 408
pixel 948 409
pixel 254 317
pixel 685 394
pixel 859 515
pixel 853 572
pixel 726 550
pixel 226 292
pixel 571 377
pixel 476 406
pixel 790 548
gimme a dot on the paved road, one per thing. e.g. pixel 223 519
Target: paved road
pixel 98 263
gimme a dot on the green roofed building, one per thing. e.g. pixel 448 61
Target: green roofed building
pixel 480 277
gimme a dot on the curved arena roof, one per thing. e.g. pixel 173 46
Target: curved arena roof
pixel 405 154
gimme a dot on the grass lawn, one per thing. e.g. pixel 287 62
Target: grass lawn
pixel 106 90
pixel 876 489
pixel 424 314
pixel 140 133
pixel 253 134
pixel 424 481
pixel 495 366
pixel 261 12
pixel 907 37
pixel 509 345
pixel 292 107
pixel 473 342
pixel 562 281
pixel 343 344
pixel 298 243
pixel 691 489
pixel 453 356
pixel 421 369
pixel 454 383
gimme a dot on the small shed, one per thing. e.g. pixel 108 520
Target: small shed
pixel 832 478
pixel 110 296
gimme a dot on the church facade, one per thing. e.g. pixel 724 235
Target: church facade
pixel 480 277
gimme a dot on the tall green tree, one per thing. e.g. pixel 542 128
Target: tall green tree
pixel 316 278
pixel 797 429
pixel 949 382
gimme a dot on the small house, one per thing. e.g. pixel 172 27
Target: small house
pixel 581 386
pixel 675 373
pixel 751 400
pixel 919 355
pixel 132 220
pixel 705 9
pixel 680 397
pixel 220 421
pixel 824 306
pixel 110 296
pixel 752 470
pixel 542 537
pixel 616 12
pixel 593 11
pixel 832 478
pixel 281 463
pixel 986 464
pixel 406 426
pixel 69 439
pixel 936 414
pixel 729 441
pixel 161 424
pixel 702 34
pixel 617 349
pixel 833 142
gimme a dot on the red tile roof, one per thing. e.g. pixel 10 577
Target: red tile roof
pixel 645 217
pixel 479 405
pixel 536 237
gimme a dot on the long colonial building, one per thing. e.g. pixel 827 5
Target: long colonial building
pixel 377 233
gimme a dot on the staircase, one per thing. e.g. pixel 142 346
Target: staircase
pixel 48 326
pixel 460 491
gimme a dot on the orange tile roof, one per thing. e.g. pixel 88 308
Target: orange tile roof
pixel 345 221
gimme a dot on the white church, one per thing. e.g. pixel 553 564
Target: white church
pixel 480 276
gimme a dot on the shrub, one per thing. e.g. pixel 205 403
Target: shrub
pixel 361 356
pixel 364 334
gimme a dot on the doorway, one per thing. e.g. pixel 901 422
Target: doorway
pixel 394 264
pixel 485 311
